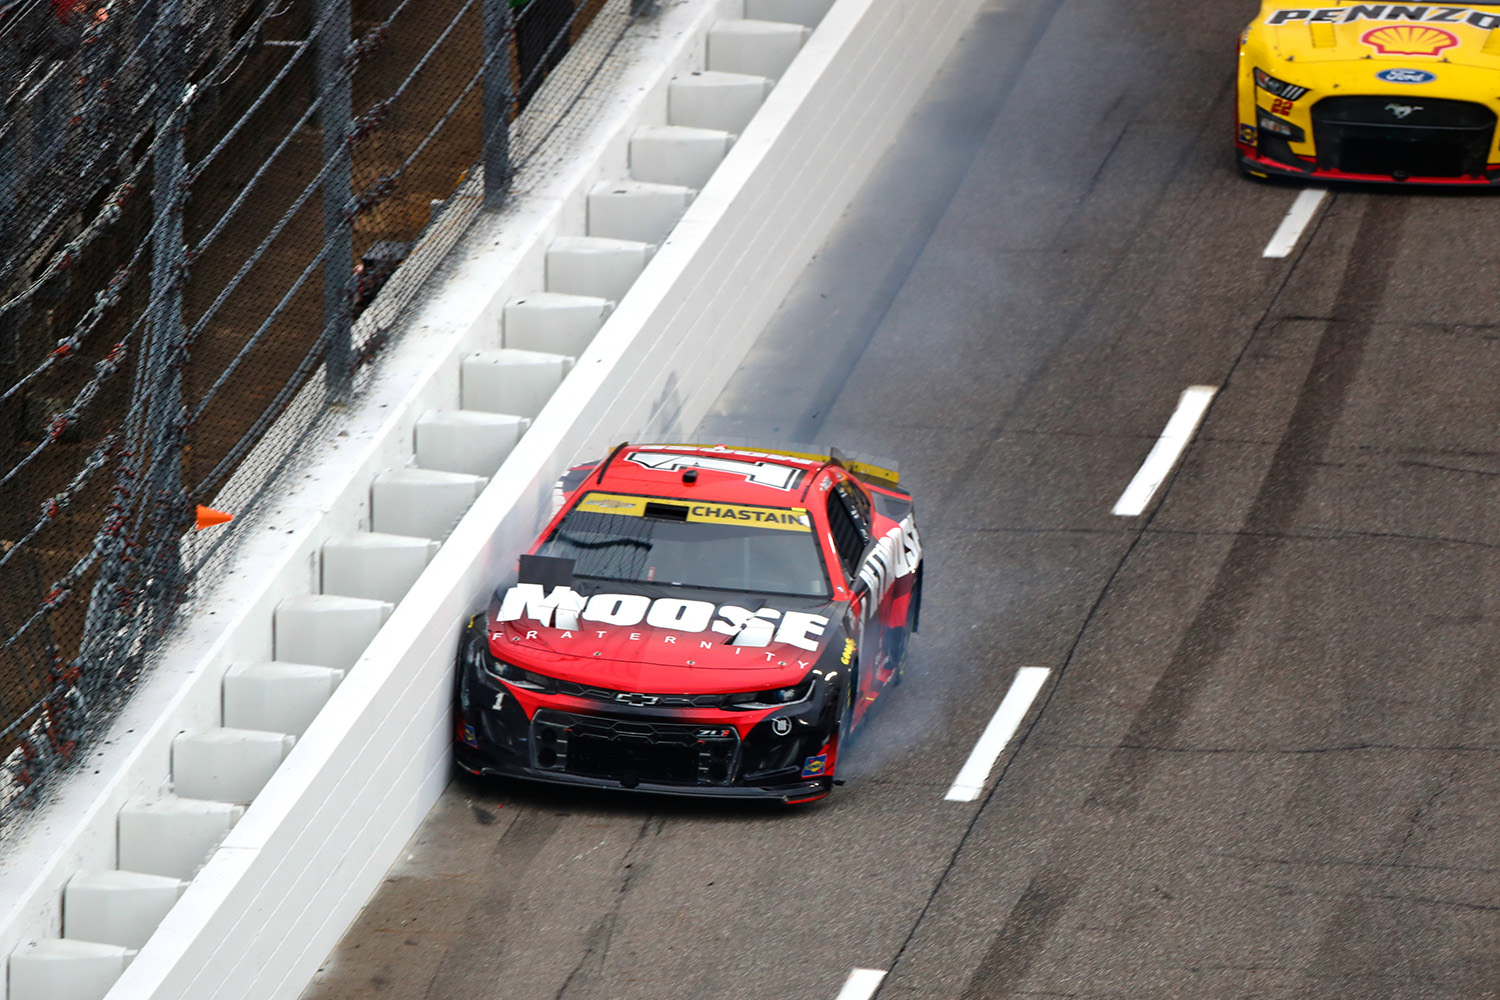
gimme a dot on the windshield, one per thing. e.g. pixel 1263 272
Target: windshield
pixel 768 550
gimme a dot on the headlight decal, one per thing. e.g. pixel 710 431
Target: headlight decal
pixel 524 679
pixel 496 671
pixel 1278 88
pixel 773 698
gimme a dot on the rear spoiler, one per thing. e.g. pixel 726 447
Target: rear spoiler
pixel 880 472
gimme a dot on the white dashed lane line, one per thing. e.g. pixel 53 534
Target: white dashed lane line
pixel 861 984
pixel 997 735
pixel 1295 224
pixel 1167 450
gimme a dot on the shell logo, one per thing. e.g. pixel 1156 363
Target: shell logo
pixel 1409 40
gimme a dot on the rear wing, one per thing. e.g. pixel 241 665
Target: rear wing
pixel 880 472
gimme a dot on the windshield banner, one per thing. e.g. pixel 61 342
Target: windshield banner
pixel 781 518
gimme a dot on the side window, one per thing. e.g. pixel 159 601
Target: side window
pixel 859 502
pixel 848 539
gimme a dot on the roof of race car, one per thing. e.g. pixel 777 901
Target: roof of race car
pixel 722 474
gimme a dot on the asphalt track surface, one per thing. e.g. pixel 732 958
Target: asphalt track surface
pixel 1265 761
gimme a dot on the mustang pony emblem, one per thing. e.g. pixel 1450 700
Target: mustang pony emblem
pixel 1403 111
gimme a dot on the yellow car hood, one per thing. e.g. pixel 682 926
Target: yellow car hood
pixel 1419 36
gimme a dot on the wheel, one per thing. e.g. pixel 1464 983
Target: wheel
pixel 899 641
pixel 896 650
pixel 846 709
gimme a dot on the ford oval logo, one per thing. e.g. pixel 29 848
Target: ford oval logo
pixel 1406 76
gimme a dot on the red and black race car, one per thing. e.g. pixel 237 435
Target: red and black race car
pixel 695 620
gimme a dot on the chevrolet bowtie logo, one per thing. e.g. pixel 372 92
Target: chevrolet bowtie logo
pixel 637 699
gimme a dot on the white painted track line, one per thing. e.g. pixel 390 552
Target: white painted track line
pixel 1295 224
pixel 1167 450
pixel 1003 725
pixel 861 984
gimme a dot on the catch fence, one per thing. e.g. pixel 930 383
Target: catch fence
pixel 214 213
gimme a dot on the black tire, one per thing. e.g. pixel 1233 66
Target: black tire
pixel 846 710
pixel 901 641
pixel 897 652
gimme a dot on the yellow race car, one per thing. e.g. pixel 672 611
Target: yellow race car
pixel 1379 92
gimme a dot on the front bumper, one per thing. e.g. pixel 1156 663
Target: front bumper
pixel 1306 168
pixel 1372 139
pixel 786 754
pixel 477 761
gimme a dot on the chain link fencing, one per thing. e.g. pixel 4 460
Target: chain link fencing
pixel 216 210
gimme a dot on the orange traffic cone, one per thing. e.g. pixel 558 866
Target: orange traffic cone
pixel 208 517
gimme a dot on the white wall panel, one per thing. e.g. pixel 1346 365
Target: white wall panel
pixel 808 12
pixel 65 970
pixel 555 323
pixel 119 908
pixel 277 697
pixel 757 48
pixel 722 101
pixel 171 836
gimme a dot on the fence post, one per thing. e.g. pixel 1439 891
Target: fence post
pixel 164 429
pixel 334 83
pixel 497 101
pixel 8 169
pixel 10 188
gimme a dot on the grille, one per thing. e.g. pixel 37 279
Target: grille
pixel 631 750
pixel 638 699
pixel 1413 137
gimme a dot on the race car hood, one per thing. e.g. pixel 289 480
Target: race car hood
pixel 1415 36
pixel 675 640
